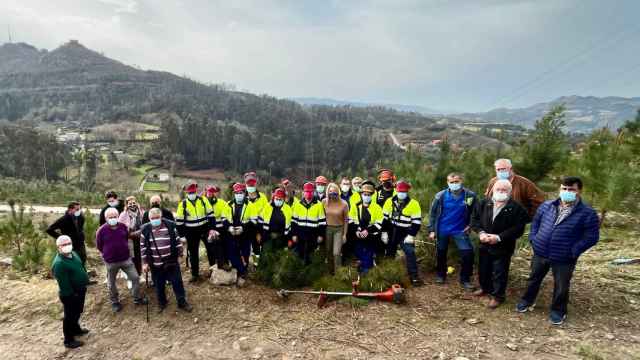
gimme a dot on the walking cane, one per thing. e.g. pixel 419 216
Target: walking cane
pixel 146 296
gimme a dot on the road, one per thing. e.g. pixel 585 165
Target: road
pixel 396 142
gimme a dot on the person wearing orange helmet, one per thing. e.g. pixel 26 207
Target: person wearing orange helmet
pixel 385 189
pixel 308 223
pixel 321 187
pixel 239 223
pixel 402 221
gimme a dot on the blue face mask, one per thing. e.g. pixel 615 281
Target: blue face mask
pixel 503 175
pixel 402 195
pixel 155 222
pixel 366 199
pixel 239 198
pixel 251 189
pixel 320 188
pixel 567 196
pixel 112 221
pixel 455 186
pixel 278 202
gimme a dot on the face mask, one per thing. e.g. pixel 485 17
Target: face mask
pixel 345 188
pixel 113 203
pixel 356 188
pixel 112 222
pixel 455 186
pixel 67 249
pixel 308 195
pixel 500 196
pixel 133 207
pixel 251 189
pixel 191 196
pixel 503 175
pixel 333 195
pixel 402 195
pixel 239 198
pixel 155 205
pixel 320 188
pixel 278 202
pixel 387 185
pixel 77 213
pixel 366 199
pixel 567 196
pixel 155 222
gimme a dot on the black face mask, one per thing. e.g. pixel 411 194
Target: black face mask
pixel 155 205
pixel 133 207
pixel 387 185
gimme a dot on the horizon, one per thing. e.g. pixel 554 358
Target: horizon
pixel 288 50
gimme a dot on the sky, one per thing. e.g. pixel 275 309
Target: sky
pixel 455 55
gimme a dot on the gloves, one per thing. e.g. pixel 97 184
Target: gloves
pixel 385 237
pixel 363 234
pixel 409 240
pixel 239 230
pixel 232 230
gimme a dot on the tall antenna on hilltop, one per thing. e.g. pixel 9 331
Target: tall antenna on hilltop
pixel 9 32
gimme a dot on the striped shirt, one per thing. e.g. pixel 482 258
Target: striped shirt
pixel 563 212
pixel 163 242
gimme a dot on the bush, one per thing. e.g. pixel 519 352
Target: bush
pixel 91 225
pixel 285 269
pixel 37 253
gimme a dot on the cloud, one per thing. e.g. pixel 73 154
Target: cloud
pixel 122 6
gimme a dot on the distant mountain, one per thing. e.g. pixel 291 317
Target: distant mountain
pixel 333 102
pixel 584 113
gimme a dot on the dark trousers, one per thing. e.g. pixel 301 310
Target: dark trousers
pixel 194 237
pixel 465 250
pixel 493 272
pixel 255 246
pixel 174 276
pixel 306 246
pixel 364 252
pixel 73 307
pixel 80 249
pixel 219 250
pixel 562 273
pixel 137 256
pixel 238 252
pixel 409 250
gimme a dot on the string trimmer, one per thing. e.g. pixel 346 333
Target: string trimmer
pixel 394 294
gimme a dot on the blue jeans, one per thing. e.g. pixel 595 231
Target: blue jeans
pixel 239 250
pixel 465 249
pixel 364 252
pixel 174 276
pixel 409 252
pixel 562 273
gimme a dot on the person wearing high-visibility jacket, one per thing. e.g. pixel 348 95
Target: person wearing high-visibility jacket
pixel 365 224
pixel 385 190
pixel 240 225
pixel 402 221
pixel 219 207
pixel 195 222
pixel 274 223
pixel 347 193
pixel 258 201
pixel 308 223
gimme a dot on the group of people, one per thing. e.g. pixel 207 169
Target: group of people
pixel 354 217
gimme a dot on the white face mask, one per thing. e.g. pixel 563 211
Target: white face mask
pixel 345 188
pixel 77 213
pixel 320 188
pixel 191 196
pixel 66 249
pixel 113 203
pixel 278 202
pixel 500 196
pixel 251 189
pixel 356 188
pixel 112 221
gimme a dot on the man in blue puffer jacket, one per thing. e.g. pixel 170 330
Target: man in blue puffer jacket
pixel 561 231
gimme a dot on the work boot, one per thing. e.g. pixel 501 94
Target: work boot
pixel 116 307
pixel 73 344
pixel 493 303
pixel 439 280
pixel 416 281
pixel 185 306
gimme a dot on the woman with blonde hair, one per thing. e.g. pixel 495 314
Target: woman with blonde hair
pixel 337 213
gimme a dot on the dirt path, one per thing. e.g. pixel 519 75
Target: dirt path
pixel 438 322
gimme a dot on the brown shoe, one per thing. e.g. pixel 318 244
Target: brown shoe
pixel 479 292
pixel 493 303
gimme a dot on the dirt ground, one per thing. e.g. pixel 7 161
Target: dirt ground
pixel 437 322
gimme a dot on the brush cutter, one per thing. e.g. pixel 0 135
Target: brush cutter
pixel 394 294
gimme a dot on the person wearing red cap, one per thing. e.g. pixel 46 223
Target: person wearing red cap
pixel 385 190
pixel 239 223
pixel 321 187
pixel 308 223
pixel 274 223
pixel 365 224
pixel 195 222
pixel 258 200
pixel 402 220
pixel 217 241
